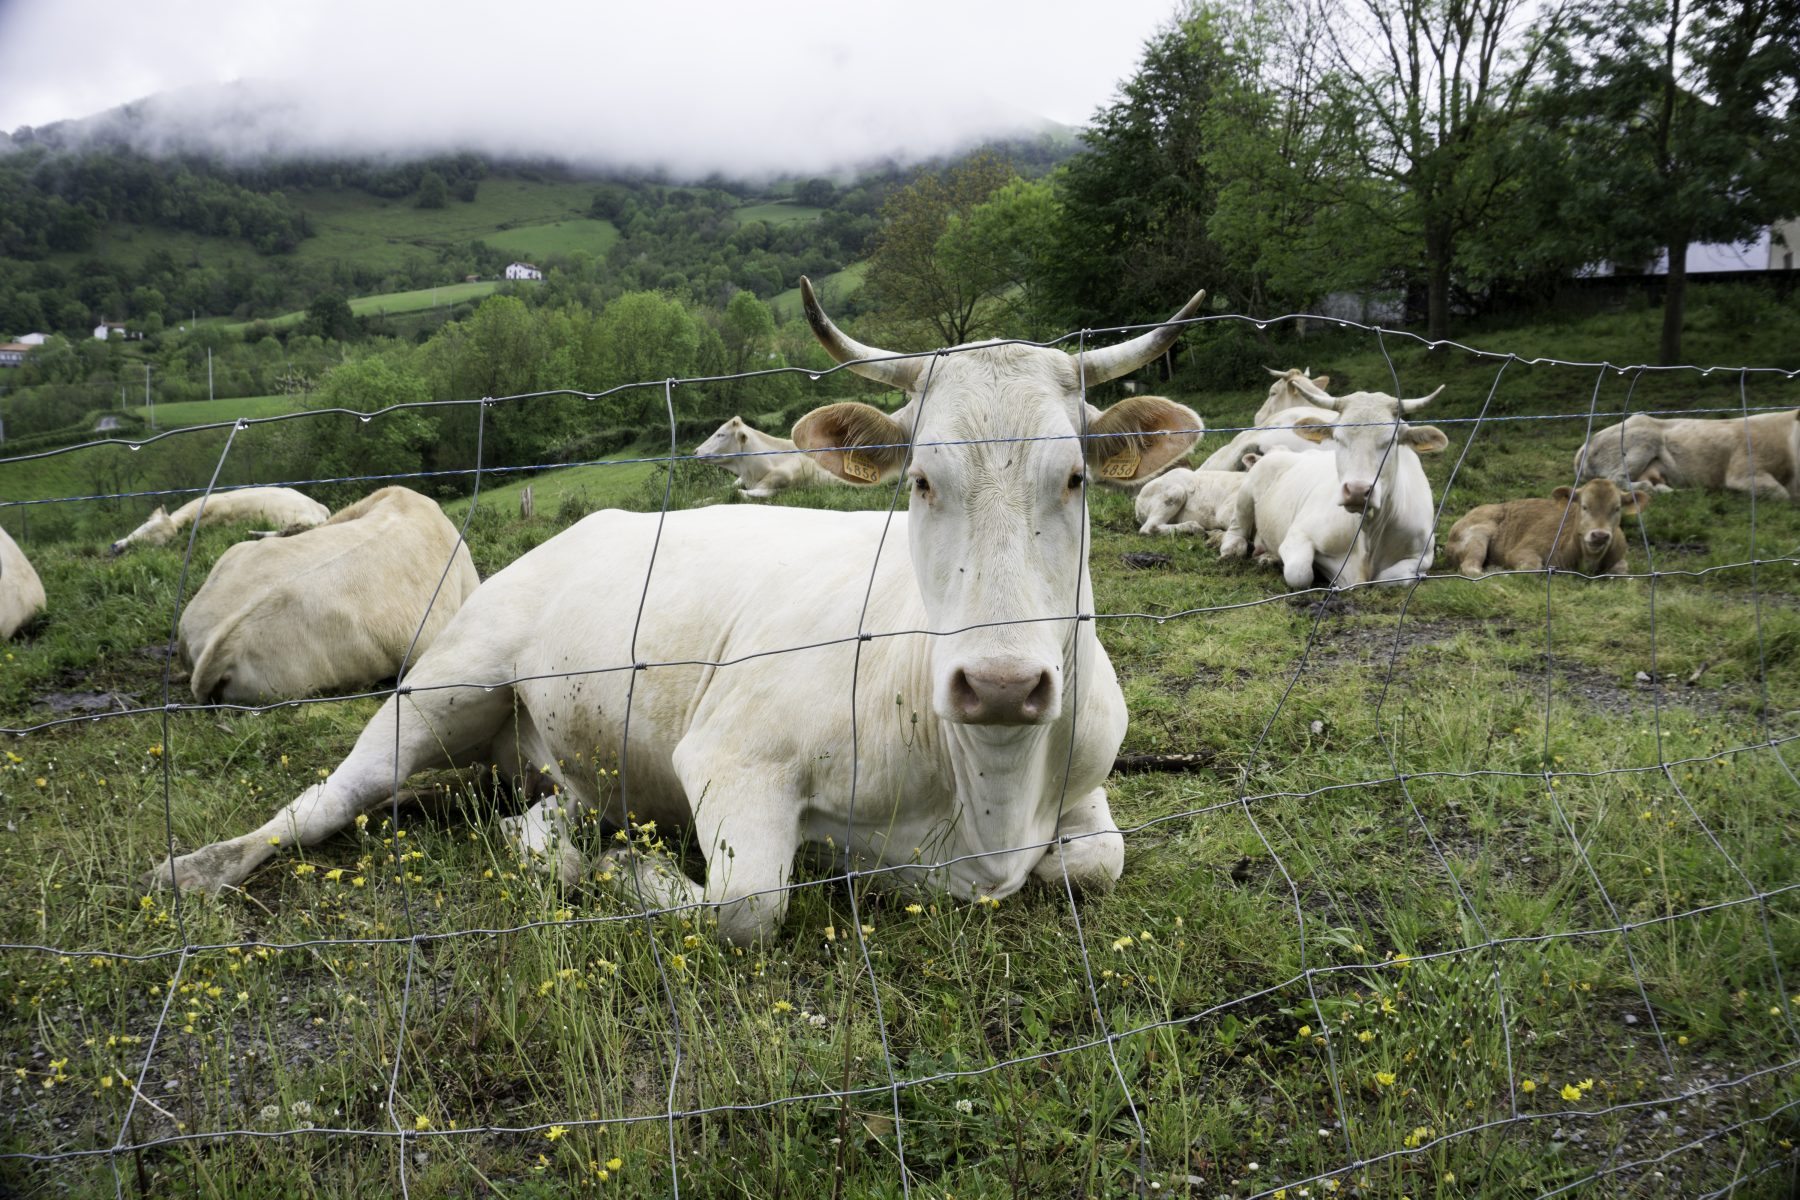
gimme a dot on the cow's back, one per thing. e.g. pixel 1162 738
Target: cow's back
pixel 21 591
pixel 334 607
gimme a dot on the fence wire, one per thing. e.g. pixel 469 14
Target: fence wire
pixel 121 1147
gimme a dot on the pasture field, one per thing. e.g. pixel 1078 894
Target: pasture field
pixel 1451 901
pixel 838 284
pixel 205 412
pixel 585 235
pixel 382 303
pixel 352 225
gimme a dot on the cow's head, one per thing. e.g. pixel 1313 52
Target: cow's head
pixel 1596 511
pixel 156 529
pixel 1285 392
pixel 991 439
pixel 731 438
pixel 1367 438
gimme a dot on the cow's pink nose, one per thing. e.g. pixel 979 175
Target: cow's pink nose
pixel 1355 497
pixel 1599 537
pixel 1002 694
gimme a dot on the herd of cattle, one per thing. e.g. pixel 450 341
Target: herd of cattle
pixel 598 682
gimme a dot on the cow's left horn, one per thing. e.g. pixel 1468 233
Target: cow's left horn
pixel 1419 402
pixel 1098 366
pixel 867 361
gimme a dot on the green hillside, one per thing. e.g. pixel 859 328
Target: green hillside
pixel 385 303
pixel 834 287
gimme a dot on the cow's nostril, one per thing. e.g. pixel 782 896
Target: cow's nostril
pixel 963 696
pixel 1038 702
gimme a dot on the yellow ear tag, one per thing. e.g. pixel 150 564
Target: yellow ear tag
pixel 1122 465
pixel 856 468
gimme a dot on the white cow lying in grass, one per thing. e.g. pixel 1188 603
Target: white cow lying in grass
pixel 21 591
pixel 280 508
pixel 1291 400
pixel 1293 388
pixel 1188 501
pixel 1759 454
pixel 763 463
pixel 331 608
pixel 1361 513
pixel 1009 715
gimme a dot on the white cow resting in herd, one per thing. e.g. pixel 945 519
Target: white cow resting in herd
pixel 21 592
pixel 1019 714
pixel 1361 513
pixel 1758 454
pixel 1290 401
pixel 331 608
pixel 762 462
pixel 282 508
pixel 1187 501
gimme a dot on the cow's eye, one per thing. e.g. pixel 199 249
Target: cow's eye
pixel 1076 480
pixel 921 485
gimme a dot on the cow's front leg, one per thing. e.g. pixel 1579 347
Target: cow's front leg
pixel 746 821
pixel 542 835
pixel 1296 554
pixel 1089 846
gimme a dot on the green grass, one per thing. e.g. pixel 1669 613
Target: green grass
pixel 204 412
pixel 1200 968
pixel 583 235
pixel 386 303
pixel 352 225
pixel 778 212
pixel 838 284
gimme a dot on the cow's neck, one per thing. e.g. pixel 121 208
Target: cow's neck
pixel 1010 782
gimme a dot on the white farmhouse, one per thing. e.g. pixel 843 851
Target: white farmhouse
pixel 34 339
pixel 522 271
pixel 109 329
pixel 12 354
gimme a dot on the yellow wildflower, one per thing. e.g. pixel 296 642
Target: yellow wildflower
pixel 421 1122
pixel 614 1163
pixel 915 909
pixel 1306 1031
pixel 554 1132
pixel 1385 1078
pixel 782 1006
pixel 1527 1086
pixel 1570 1092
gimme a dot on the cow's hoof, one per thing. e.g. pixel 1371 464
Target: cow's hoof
pixel 1232 546
pixel 202 871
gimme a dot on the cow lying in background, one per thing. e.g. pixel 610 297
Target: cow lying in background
pixel 1361 513
pixel 328 609
pixel 1293 398
pixel 1758 454
pixel 758 674
pixel 763 463
pixel 1188 501
pixel 1573 531
pixel 281 508
pixel 21 591
pixel 1287 391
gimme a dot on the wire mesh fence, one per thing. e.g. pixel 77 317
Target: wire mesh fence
pixel 1471 962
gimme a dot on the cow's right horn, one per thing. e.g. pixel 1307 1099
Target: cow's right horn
pixel 1420 401
pixel 867 361
pixel 1098 366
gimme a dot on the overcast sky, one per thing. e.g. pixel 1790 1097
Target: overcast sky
pixel 741 87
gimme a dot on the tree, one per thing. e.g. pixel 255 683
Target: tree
pixel 390 444
pixel 329 317
pixel 1686 127
pixel 643 337
pixel 948 295
pixel 1011 238
pixel 1433 92
pixel 433 191
pixel 1133 241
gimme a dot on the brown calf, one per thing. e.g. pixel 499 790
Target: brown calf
pixel 1522 535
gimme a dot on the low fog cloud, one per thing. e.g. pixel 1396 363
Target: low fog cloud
pixel 778 86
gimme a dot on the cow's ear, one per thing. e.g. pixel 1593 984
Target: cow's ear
pixel 160 512
pixel 1138 437
pixel 856 442
pixel 1562 493
pixel 1425 439
pixel 1313 429
pixel 1634 502
pixel 1323 381
pixel 1250 459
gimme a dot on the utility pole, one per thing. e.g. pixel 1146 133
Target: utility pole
pixel 209 394
pixel 149 402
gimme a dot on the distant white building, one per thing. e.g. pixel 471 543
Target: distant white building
pixel 12 354
pixel 110 329
pixel 34 339
pixel 1775 248
pixel 522 271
